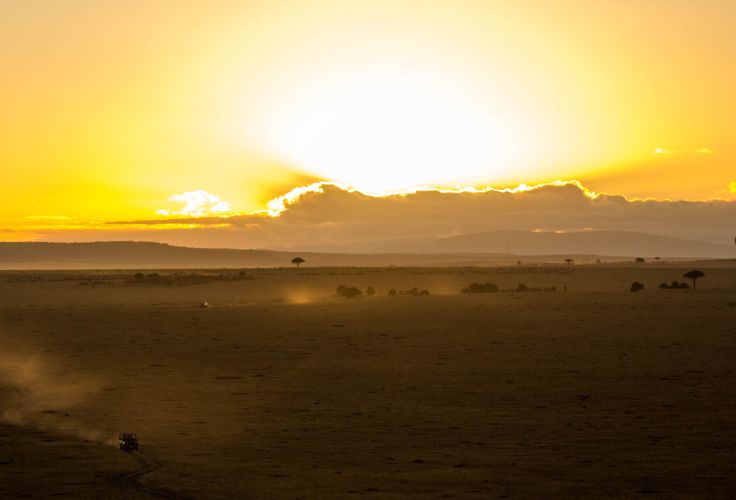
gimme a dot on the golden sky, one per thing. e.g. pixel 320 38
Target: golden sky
pixel 143 108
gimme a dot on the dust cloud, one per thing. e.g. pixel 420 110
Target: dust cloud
pixel 45 394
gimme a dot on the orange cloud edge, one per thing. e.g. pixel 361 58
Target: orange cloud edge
pixel 278 205
pixel 281 203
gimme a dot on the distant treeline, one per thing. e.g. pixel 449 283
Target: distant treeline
pixel 157 279
pixel 350 292
pixel 184 279
pixel 493 288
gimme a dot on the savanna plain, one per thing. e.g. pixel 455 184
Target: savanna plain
pixel 281 389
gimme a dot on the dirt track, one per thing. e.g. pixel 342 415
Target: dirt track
pixel 137 478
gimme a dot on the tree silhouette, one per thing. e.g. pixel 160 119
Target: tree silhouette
pixel 298 261
pixel 694 275
pixel 569 262
pixel 639 260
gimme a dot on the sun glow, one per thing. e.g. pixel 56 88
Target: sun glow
pixel 383 128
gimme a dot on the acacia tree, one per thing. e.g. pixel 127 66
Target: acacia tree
pixel 569 262
pixel 297 261
pixel 694 275
pixel 639 260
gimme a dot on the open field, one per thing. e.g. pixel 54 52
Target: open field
pixel 281 390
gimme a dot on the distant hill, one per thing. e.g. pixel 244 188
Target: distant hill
pixel 128 254
pixel 528 243
pixel 125 253
pixel 497 247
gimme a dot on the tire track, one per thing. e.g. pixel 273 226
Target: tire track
pixel 133 479
pixel 136 479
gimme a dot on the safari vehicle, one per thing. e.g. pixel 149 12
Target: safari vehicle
pixel 128 441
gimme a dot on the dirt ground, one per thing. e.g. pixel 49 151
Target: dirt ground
pixel 280 389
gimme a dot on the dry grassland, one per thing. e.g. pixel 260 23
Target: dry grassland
pixel 281 390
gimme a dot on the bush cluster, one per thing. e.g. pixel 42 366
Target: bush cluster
pixel 96 283
pixel 523 288
pixel 675 285
pixel 636 286
pixel 416 292
pixel 493 288
pixel 348 292
pixel 480 288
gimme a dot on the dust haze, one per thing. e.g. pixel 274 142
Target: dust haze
pixel 46 394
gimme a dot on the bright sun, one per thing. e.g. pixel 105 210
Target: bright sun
pixel 390 128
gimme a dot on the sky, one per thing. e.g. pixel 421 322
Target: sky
pixel 148 111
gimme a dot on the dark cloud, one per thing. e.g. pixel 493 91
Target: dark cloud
pixel 327 214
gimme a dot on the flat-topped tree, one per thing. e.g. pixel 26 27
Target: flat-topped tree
pixel 693 275
pixel 297 261
pixel 569 262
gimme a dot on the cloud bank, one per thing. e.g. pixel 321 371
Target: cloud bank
pixel 329 214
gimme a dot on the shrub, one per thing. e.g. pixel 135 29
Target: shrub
pixel 415 292
pixel 522 288
pixel 675 285
pixel 636 286
pixel 348 292
pixel 480 288
pixel 370 291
